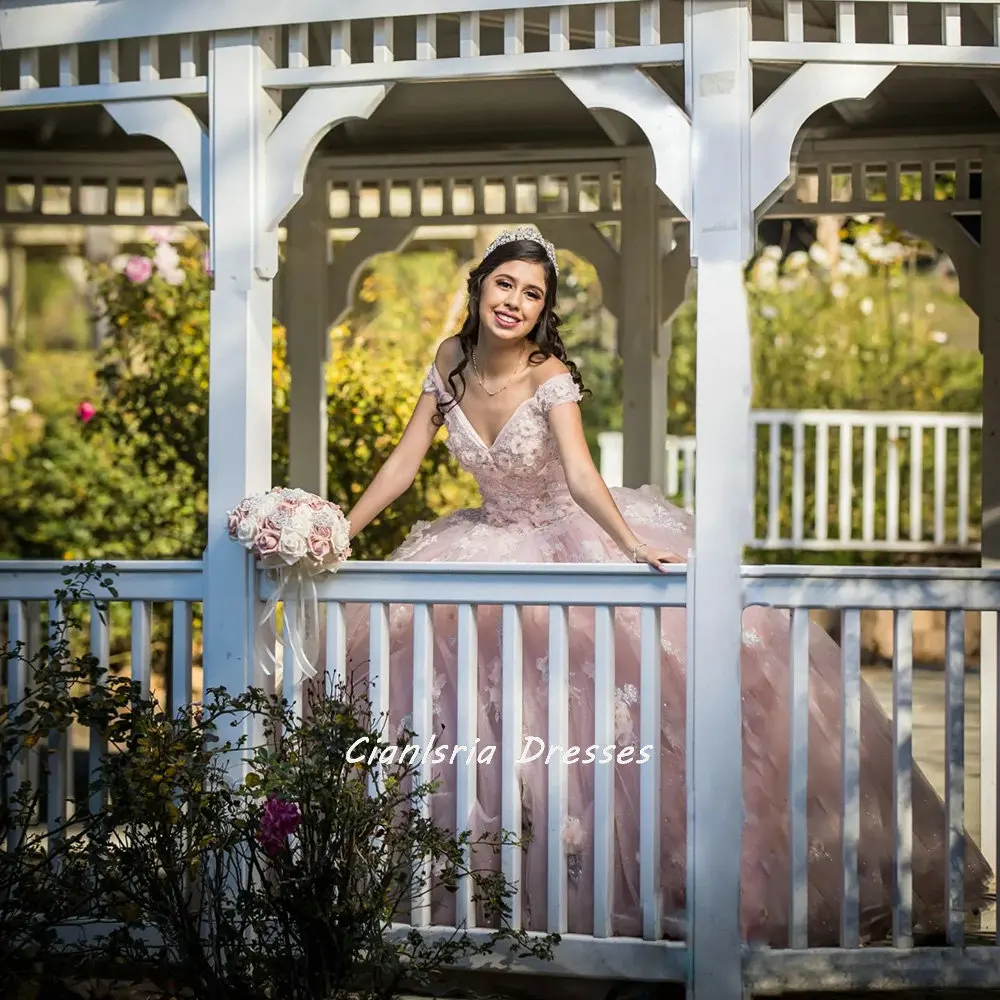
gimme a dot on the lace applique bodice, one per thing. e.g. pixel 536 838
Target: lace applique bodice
pixel 520 477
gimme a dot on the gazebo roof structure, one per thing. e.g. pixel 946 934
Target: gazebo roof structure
pixel 684 122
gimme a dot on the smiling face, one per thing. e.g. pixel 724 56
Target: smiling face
pixel 511 299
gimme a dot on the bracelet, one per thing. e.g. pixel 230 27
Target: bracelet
pixel 635 550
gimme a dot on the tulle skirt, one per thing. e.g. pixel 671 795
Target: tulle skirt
pixel 467 536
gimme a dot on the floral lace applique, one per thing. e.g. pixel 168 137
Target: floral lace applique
pixel 558 389
pixel 625 698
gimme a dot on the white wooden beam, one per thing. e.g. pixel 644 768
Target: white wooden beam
pixel 59 22
pixel 306 317
pixel 178 128
pixel 242 116
pixel 989 343
pixel 644 365
pixel 584 239
pixel 667 128
pixel 775 128
pixel 718 32
pixel 294 141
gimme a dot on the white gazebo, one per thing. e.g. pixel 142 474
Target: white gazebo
pixel 681 122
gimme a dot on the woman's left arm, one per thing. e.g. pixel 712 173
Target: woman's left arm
pixel 590 491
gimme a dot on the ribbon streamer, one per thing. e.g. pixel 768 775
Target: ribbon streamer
pixel 296 589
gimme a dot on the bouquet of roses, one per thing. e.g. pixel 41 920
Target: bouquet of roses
pixel 298 536
pixel 290 527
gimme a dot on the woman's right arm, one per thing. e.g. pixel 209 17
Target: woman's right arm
pixel 400 468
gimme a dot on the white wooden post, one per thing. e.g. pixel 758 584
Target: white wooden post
pixel 644 364
pixel 720 97
pixel 306 316
pixel 989 340
pixel 242 114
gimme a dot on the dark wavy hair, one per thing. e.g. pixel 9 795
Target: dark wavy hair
pixel 544 337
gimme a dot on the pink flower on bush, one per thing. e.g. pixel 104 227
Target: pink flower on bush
pixel 86 412
pixel 280 820
pixel 139 270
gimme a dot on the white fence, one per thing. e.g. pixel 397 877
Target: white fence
pixel 27 589
pixel 846 479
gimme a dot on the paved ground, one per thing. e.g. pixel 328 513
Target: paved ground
pixel 928 731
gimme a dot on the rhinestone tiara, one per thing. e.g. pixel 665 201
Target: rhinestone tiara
pixel 524 233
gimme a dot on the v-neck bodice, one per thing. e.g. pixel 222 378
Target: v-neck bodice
pixel 520 476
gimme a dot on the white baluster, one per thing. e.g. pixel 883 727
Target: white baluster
pixel 954 773
pixel 559 30
pixel 794 23
pixel 846 22
pixel 798 779
pixel 556 771
pixel 142 635
pixel 604 26
pixel 899 24
pixel 108 62
pixel 650 702
pixel 951 24
pixel 604 774
pixel 384 44
pixel 850 658
pixel 30 76
pixel 902 782
pixel 427 37
pixel 512 663
pixel 423 724
pixel 469 35
pixel 69 66
pixel 340 43
pixel 298 46
pixel 465 768
pixel 149 59
pixel 513 37
pixel 189 57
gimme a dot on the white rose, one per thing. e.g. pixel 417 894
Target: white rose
pixel 267 506
pixel 246 530
pixel 292 544
pixel 300 523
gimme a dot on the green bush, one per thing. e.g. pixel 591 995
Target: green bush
pixel 219 864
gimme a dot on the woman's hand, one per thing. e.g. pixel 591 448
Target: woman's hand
pixel 657 558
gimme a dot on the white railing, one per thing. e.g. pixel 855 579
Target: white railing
pixel 502 592
pixel 846 479
pixel 174 588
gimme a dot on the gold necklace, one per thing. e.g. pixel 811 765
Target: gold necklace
pixel 479 376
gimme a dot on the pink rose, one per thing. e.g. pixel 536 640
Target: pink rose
pixel 139 270
pixel 319 548
pixel 85 412
pixel 234 520
pixel 323 531
pixel 267 541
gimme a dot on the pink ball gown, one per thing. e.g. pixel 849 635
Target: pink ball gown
pixel 528 515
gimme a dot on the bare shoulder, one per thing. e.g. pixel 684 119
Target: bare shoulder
pixel 549 368
pixel 449 353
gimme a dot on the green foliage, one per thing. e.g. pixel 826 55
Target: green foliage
pixel 372 392
pixel 857 333
pixel 46 873
pixel 240 850
pixel 72 495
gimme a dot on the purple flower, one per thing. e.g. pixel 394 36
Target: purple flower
pixel 280 820
pixel 139 270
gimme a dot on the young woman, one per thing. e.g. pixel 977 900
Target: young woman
pixel 508 396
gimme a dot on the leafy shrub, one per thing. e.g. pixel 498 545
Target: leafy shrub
pixel 266 864
pixel 46 874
